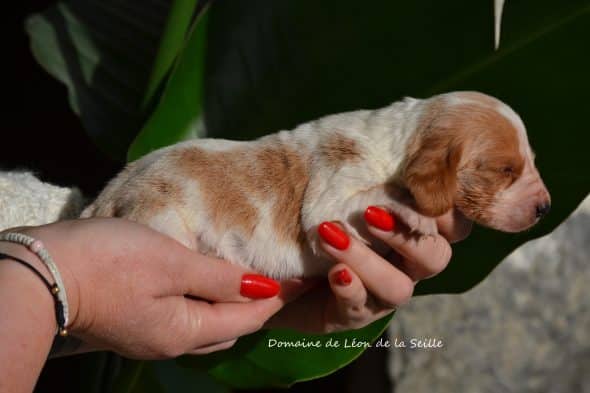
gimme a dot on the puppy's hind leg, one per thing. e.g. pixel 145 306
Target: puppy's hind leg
pixel 167 220
pixel 171 223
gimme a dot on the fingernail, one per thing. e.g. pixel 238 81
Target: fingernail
pixel 379 218
pixel 343 277
pixel 333 235
pixel 256 286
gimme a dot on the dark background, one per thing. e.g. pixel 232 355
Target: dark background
pixel 42 134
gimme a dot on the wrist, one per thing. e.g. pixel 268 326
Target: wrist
pixel 27 326
pixel 26 279
pixel 26 285
pixel 18 282
pixel 61 248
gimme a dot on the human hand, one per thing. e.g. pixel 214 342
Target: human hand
pixel 362 285
pixel 137 292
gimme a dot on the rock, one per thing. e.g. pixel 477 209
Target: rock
pixel 525 328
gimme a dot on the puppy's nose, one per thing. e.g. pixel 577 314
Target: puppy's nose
pixel 543 209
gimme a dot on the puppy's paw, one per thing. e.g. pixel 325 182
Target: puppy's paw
pixel 313 237
pixel 417 223
pixel 422 225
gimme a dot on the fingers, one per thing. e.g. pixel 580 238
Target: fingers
pixel 212 348
pixel 349 299
pixel 201 276
pixel 220 281
pixel 223 322
pixel 353 306
pixel 295 287
pixel 347 287
pixel 424 256
pixel 385 281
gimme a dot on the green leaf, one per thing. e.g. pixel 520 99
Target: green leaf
pixel 163 376
pixel 259 360
pixel 103 51
pixel 178 114
pixel 273 65
pixel 171 42
pixel 177 379
pixel 133 377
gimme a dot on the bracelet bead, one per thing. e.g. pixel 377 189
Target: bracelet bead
pixel 56 289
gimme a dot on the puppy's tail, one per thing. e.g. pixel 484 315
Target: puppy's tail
pixel 93 210
pixel 88 211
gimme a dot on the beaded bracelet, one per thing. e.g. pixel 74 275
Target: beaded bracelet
pixel 57 290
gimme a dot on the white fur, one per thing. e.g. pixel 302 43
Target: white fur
pixel 507 211
pixel 333 192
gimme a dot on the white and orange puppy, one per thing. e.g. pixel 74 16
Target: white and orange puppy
pixel 258 203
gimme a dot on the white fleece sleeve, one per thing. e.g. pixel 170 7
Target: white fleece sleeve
pixel 25 200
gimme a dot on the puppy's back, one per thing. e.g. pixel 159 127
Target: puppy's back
pixel 237 200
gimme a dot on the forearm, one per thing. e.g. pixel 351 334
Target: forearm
pixel 27 322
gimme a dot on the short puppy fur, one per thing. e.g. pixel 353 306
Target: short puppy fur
pixel 258 203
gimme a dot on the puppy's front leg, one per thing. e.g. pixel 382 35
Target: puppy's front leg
pixel 343 196
pixel 400 204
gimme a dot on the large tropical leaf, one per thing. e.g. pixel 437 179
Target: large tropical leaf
pixel 79 42
pixel 178 113
pixel 280 358
pixel 103 51
pixel 274 64
pixel 162 377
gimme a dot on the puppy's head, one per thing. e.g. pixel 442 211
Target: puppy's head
pixel 470 151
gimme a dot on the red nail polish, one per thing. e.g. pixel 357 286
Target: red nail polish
pixel 256 286
pixel 343 277
pixel 379 218
pixel 332 234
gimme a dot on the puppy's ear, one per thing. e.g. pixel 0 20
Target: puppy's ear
pixel 430 173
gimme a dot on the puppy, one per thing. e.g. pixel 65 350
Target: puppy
pixel 258 203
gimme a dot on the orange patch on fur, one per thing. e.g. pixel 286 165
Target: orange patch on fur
pixel 460 155
pixel 221 188
pixel 337 149
pixel 283 176
pixel 490 166
pixel 228 179
pixel 144 201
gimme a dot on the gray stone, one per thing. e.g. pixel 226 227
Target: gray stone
pixel 525 328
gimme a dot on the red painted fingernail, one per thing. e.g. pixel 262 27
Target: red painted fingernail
pixel 256 286
pixel 332 234
pixel 343 277
pixel 379 218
